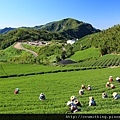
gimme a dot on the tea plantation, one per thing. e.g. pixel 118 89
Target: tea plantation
pixel 58 88
pixel 58 83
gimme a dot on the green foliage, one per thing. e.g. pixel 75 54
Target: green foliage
pixel 12 55
pixel 51 53
pixel 46 54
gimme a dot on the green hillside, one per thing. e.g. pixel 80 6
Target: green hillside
pixel 108 41
pixel 88 49
pixel 12 55
pixel 70 28
pixel 90 53
pixel 52 54
pixel 61 25
pixel 47 54
pixel 92 57
pixel 10 52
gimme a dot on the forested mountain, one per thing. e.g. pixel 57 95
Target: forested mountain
pixel 107 40
pixel 60 30
pixel 69 27
pixel 27 34
pixel 5 30
pixel 61 25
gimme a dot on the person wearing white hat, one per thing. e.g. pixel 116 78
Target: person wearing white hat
pixel 16 91
pixel 116 96
pixel 110 79
pixel 77 103
pixel 89 87
pixel 112 86
pixel 42 97
pixel 92 101
pixel 117 79
pixel 72 106
pixel 104 95
pixel 81 92
pixel 83 86
pixel 108 84
pixel 72 98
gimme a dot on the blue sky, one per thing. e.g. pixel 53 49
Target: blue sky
pixel 101 14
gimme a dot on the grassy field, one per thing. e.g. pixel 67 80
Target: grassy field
pixel 86 54
pixel 24 68
pixel 15 69
pixel 58 87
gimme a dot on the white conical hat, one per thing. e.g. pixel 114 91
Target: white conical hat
pixel 82 85
pixel 72 97
pixel 104 93
pixel 117 78
pixel 114 94
pixel 17 89
pixel 108 82
pixel 91 98
pixel 76 101
pixel 111 85
pixel 81 90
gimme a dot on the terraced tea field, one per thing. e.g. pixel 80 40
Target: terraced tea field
pixel 58 87
pixel 104 61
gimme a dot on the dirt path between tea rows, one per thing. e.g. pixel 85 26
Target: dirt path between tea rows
pixel 19 46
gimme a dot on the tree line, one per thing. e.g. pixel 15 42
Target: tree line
pixel 107 40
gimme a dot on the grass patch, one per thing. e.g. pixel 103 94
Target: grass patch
pixel 86 54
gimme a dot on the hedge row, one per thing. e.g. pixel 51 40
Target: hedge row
pixel 56 71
